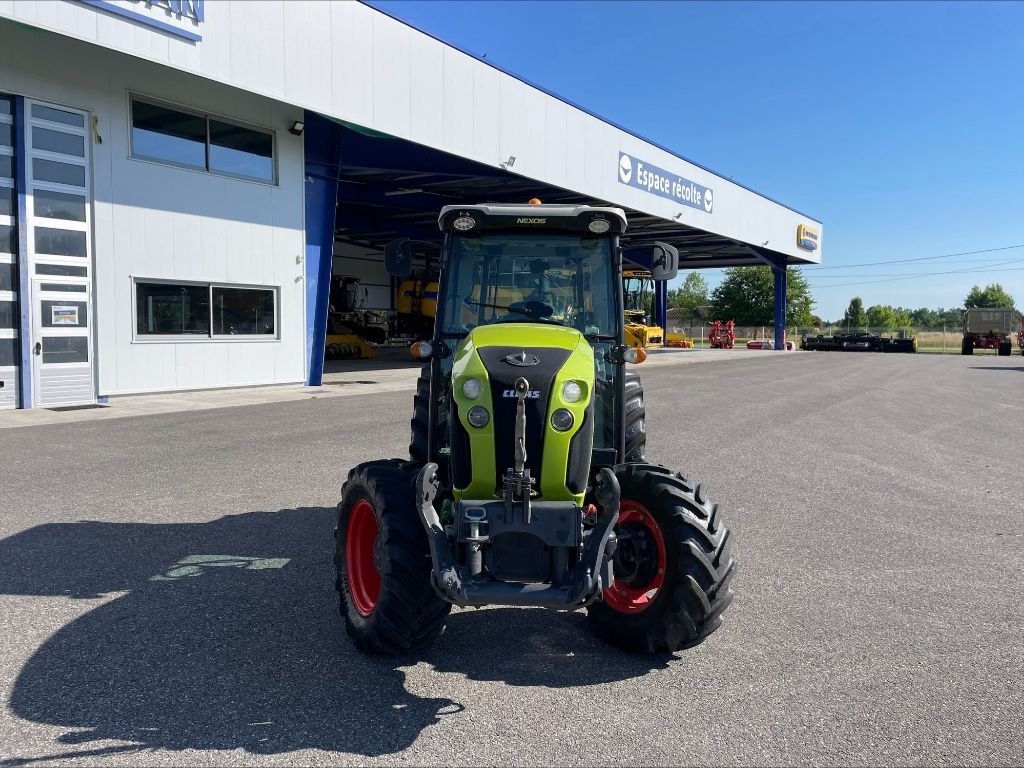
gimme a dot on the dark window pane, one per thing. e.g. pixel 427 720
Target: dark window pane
pixel 8 240
pixel 58 141
pixel 8 314
pixel 8 277
pixel 60 173
pixel 10 354
pixel 65 349
pixel 5 105
pixel 64 314
pixel 6 134
pixel 60 242
pixel 166 134
pixel 62 287
pixel 59 205
pixel 57 115
pixel 8 202
pixel 172 309
pixel 243 311
pixel 6 167
pixel 60 270
pixel 241 151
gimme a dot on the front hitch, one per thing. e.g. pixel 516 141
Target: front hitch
pixel 445 574
pixel 587 583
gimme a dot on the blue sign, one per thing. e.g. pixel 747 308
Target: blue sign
pixel 658 181
pixel 179 17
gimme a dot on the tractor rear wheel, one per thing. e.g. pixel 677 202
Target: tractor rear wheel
pixel 383 561
pixel 967 346
pixel 673 564
pixel 635 418
pixel 1005 349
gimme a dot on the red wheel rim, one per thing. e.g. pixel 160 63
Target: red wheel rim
pixel 636 598
pixel 360 542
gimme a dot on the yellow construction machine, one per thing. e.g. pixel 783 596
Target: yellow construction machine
pixel 638 300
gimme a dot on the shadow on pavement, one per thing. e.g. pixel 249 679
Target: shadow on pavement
pixel 997 368
pixel 227 636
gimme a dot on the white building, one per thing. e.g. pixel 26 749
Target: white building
pixel 179 179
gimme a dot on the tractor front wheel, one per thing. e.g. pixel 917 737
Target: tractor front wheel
pixel 383 561
pixel 673 564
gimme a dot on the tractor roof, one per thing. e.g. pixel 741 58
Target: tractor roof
pixel 529 216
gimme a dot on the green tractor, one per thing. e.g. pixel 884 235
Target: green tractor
pixel 527 482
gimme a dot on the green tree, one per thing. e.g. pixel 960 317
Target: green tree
pixel 925 318
pixel 889 318
pixel 691 294
pixel 855 316
pixel 747 295
pixel 993 296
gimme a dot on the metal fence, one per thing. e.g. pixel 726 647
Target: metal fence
pixel 944 339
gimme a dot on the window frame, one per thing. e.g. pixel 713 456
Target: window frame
pixel 206 117
pixel 210 336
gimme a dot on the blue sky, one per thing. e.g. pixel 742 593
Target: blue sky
pixel 899 125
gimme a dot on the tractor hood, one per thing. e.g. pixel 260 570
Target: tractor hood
pixel 548 357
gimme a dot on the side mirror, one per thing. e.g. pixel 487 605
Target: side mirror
pixel 664 262
pixel 398 257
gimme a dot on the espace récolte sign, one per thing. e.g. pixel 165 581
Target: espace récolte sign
pixel 658 181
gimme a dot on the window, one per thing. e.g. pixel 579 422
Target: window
pixel 58 205
pixel 8 241
pixel 195 140
pixel 8 201
pixel 163 309
pixel 59 142
pixel 65 349
pixel 58 173
pixel 10 354
pixel 241 151
pixel 60 242
pixel 204 310
pixel 8 277
pixel 243 311
pixel 8 313
pixel 61 270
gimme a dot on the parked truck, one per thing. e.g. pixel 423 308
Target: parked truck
pixel 988 328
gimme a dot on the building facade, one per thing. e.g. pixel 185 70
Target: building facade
pixel 156 183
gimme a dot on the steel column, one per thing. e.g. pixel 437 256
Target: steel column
pixel 779 273
pixel 661 307
pixel 322 153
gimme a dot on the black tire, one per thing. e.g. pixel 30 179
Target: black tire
pixel 418 446
pixel 635 420
pixel 698 567
pixel 967 347
pixel 407 614
pixel 1005 349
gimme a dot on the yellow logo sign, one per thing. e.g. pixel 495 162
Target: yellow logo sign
pixel 807 237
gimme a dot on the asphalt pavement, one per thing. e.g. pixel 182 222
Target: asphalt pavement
pixel 166 588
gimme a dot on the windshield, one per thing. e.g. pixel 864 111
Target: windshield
pixel 565 279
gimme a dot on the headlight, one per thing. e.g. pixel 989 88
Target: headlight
pixel 598 226
pixel 571 392
pixel 471 389
pixel 562 420
pixel 478 416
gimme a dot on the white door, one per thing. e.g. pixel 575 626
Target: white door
pixel 62 352
pixel 60 249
